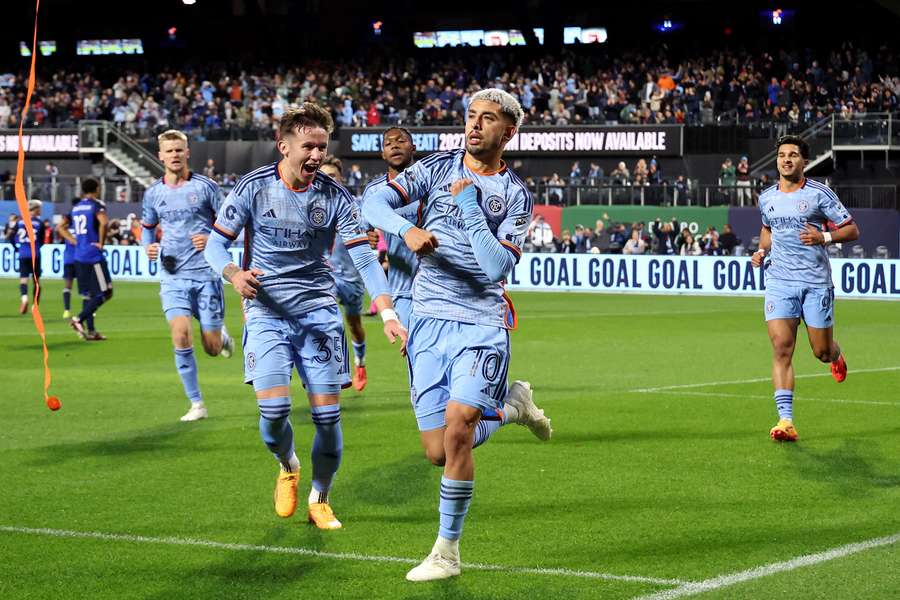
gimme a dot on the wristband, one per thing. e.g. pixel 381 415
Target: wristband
pixel 389 314
pixel 827 236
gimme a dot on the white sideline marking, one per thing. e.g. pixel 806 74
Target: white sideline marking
pixel 699 587
pixel 754 380
pixel 801 398
pixel 177 541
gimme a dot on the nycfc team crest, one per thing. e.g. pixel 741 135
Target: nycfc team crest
pixel 495 206
pixel 317 216
pixel 251 361
pixel 770 306
pixel 802 206
pixel 193 198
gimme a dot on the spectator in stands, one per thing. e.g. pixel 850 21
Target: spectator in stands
pixel 634 245
pixel 617 238
pixel 743 180
pixel 210 169
pixel 10 227
pixel 48 232
pixel 355 177
pixel 711 242
pixel 580 239
pixel 566 244
pixel 664 235
pixel 556 187
pixel 595 174
pixel 541 235
pixel 728 240
pixel 689 246
pixel 640 172
pixel 620 175
pixel 575 174
pixel 727 179
pixel 601 239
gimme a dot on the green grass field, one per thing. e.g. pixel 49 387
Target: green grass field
pixel 638 493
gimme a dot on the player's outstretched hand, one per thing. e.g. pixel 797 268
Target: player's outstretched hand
pixel 393 330
pixel 246 283
pixel 459 185
pixel 757 259
pixel 420 241
pixel 199 241
pixel 811 236
pixel 153 251
pixel 372 235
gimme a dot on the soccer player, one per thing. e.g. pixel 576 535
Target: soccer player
pixel 89 220
pixel 350 288
pixel 798 274
pixel 474 213
pixel 290 213
pixel 68 270
pixel 27 270
pixel 397 151
pixel 184 204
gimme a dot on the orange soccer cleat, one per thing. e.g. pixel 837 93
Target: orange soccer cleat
pixel 839 369
pixel 360 379
pixel 286 493
pixel 321 515
pixel 784 431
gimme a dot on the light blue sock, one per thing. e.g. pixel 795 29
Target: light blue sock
pixel 455 498
pixel 187 369
pixel 328 445
pixel 784 402
pixel 359 352
pixel 275 427
pixel 485 428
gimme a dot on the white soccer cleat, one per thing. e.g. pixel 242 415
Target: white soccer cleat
pixel 435 567
pixel 197 412
pixel 227 344
pixel 529 415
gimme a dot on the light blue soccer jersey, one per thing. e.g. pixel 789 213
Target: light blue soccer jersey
pixel 183 211
pixel 786 215
pixel 287 235
pixel 342 264
pixel 403 262
pixel 449 283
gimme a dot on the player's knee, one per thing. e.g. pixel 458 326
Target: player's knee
pixel 783 347
pixel 436 456
pixel 823 353
pixel 458 435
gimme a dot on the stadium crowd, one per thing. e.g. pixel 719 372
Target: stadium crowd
pixel 576 86
pixel 606 237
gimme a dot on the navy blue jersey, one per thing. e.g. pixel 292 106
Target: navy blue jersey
pixel 20 237
pixel 87 230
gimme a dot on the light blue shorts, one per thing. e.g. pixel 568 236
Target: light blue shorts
pixel 204 300
pixel 456 361
pixel 312 343
pixel 403 306
pixel 815 305
pixel 350 296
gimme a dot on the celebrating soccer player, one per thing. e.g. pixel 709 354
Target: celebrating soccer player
pixel 397 151
pixel 184 204
pixel 798 275
pixel 349 286
pixel 27 270
pixel 290 213
pixel 89 220
pixel 474 214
